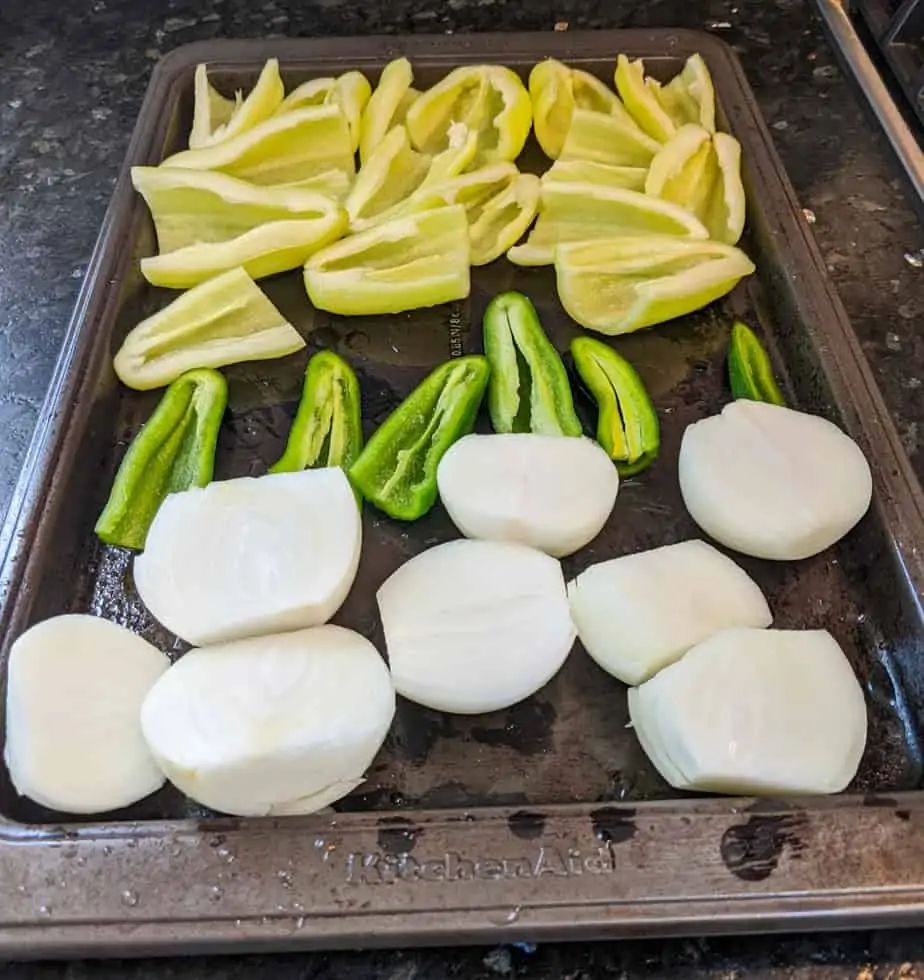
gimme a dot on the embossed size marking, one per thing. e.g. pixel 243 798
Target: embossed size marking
pixel 455 330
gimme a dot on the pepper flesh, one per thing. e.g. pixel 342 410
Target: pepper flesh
pixel 749 370
pixel 174 451
pixel 224 320
pixel 627 424
pixel 327 430
pixel 397 469
pixel 529 389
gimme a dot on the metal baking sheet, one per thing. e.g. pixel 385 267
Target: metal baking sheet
pixel 543 821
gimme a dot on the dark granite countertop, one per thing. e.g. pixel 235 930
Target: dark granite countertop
pixel 72 76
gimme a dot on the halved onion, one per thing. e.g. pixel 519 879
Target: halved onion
pixel 277 724
pixel 251 556
pixel 772 482
pixel 549 492
pixel 475 626
pixel 74 690
pixel 754 712
pixel 638 613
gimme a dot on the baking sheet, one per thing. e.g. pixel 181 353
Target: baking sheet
pixel 549 807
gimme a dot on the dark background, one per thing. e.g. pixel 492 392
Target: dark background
pixel 72 76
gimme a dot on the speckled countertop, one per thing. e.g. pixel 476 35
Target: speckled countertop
pixel 72 77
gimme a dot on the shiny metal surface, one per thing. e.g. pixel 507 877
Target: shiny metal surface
pixel 847 42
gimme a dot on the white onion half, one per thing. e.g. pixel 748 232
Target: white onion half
pixel 772 482
pixel 639 613
pixel 549 492
pixel 475 626
pixel 251 556
pixel 278 724
pixel 754 712
pixel 73 736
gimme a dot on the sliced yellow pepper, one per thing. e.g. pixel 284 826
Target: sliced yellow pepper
pixel 208 223
pixel 499 201
pixel 293 146
pixel 350 91
pixel 222 321
pixel 216 119
pixel 391 174
pixel 410 262
pixel 489 99
pixel 556 91
pixel 387 106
